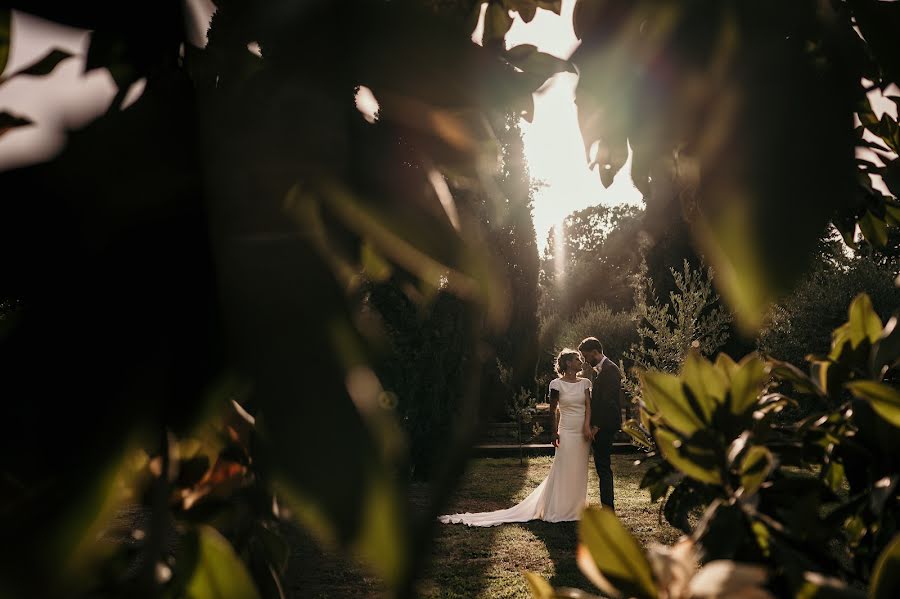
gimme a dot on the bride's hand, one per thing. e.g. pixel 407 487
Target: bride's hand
pixel 587 434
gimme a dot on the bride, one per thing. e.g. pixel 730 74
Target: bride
pixel 563 494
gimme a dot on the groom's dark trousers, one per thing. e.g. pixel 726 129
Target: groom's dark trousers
pixel 602 446
pixel 606 415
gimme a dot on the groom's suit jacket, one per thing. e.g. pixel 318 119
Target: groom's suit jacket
pixel 607 397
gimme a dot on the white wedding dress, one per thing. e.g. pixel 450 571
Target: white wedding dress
pixel 563 494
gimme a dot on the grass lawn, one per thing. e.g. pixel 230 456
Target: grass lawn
pixel 488 562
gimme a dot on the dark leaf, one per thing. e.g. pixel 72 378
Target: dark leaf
pixel 817 586
pixel 45 65
pixel 886 574
pixel 883 398
pixel 684 499
pixel 538 64
pixel 756 466
pixel 5 37
pixel 695 461
pixel 9 121
pixel 887 351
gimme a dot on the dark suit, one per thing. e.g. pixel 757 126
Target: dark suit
pixel 606 415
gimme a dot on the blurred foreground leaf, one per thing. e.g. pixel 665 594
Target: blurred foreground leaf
pixel 218 573
pixel 886 574
pixel 616 555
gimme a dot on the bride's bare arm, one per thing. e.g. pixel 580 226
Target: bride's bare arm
pixel 554 414
pixel 588 434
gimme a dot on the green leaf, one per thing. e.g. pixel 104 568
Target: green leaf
pixel 883 398
pixel 663 393
pixel 538 585
pixel 763 537
pixel 430 251
pixel 638 435
pixel 746 385
pixel 5 36
pixel 375 266
pixel 874 229
pixel 864 321
pixel 726 365
pixel 698 463
pixel 219 573
pixel 886 574
pixel 496 23
pixel 616 553
pixel 833 475
pixel 708 384
pixel 755 468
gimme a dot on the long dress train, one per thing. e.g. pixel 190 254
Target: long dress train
pixel 563 494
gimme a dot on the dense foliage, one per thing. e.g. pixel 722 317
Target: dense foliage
pixel 218 268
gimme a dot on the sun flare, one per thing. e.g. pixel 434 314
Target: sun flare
pixel 554 147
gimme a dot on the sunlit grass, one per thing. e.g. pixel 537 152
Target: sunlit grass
pixel 488 562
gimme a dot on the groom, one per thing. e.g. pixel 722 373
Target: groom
pixel 606 411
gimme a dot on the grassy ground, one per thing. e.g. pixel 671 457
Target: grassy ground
pixel 488 562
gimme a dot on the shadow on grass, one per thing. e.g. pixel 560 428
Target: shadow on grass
pixel 561 541
pixel 488 562
pixel 464 559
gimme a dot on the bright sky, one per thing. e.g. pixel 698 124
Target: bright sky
pixel 553 142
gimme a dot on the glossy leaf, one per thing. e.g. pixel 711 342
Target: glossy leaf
pixel 864 321
pixel 699 464
pixel 708 384
pixel 883 398
pixel 874 229
pixel 756 466
pixel 663 393
pixel 616 553
pixel 746 385
pixel 638 434
pixel 219 572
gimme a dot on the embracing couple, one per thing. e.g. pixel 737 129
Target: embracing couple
pixel 585 404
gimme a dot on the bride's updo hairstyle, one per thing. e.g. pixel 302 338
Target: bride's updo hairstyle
pixel 562 360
